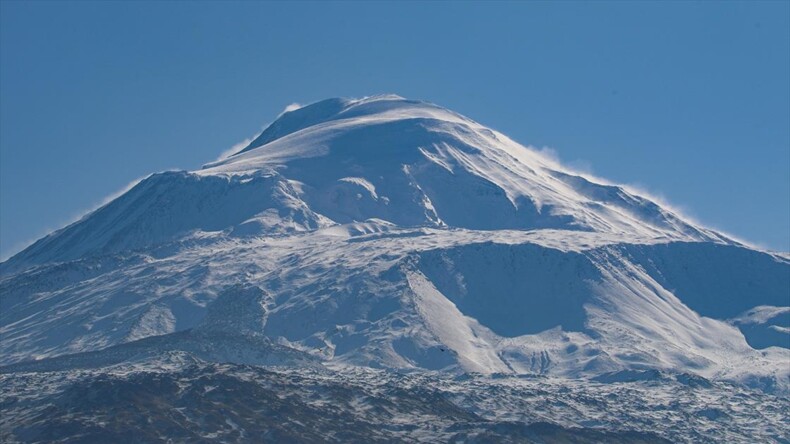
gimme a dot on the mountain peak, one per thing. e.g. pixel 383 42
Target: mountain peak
pixel 291 121
pixel 306 131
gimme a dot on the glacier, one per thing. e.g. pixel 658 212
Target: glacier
pixel 358 240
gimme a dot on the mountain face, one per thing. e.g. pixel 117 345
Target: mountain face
pixel 392 234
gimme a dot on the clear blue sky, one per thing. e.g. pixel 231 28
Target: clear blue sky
pixel 688 100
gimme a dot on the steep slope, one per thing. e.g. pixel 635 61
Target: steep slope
pixel 391 233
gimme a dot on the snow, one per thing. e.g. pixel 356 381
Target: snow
pixel 341 161
pixel 760 315
pixel 393 407
pixel 458 333
pixel 391 233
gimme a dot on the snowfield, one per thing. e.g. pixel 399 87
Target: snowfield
pixel 384 239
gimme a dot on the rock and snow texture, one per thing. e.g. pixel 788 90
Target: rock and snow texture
pixel 392 233
pixel 179 400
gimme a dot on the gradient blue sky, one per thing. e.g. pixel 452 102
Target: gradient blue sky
pixel 690 101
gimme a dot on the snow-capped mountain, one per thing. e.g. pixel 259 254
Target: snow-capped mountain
pixel 408 163
pixel 395 234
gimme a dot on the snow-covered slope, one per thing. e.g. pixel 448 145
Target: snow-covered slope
pixel 340 161
pixel 392 233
